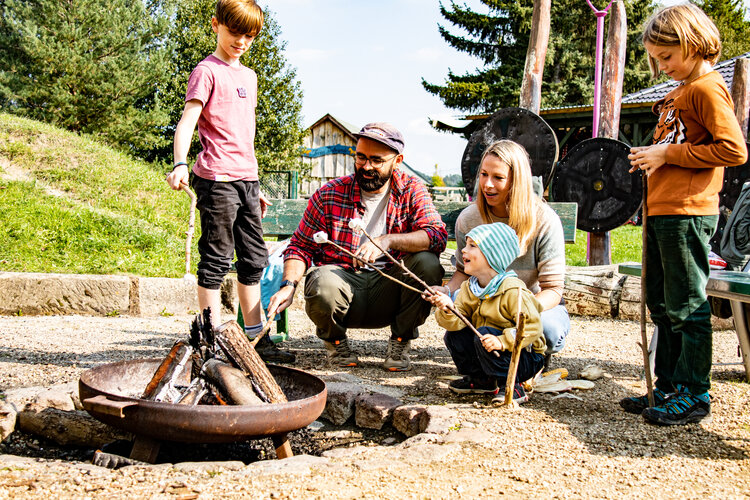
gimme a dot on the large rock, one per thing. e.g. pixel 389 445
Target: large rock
pixel 340 402
pixel 43 294
pixel 62 397
pixel 8 416
pixel 374 410
pixel 437 420
pixel 406 419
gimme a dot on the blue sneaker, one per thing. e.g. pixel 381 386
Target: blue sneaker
pixel 637 404
pixel 681 408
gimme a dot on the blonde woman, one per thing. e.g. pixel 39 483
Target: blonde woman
pixel 505 194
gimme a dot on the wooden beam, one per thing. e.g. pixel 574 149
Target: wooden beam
pixel 599 247
pixel 531 85
pixel 741 92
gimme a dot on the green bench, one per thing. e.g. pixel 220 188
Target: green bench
pixel 731 285
pixel 284 216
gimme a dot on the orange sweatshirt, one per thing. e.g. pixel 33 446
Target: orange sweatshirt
pixel 697 121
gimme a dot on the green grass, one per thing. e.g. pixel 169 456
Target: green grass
pixel 69 204
pixel 625 243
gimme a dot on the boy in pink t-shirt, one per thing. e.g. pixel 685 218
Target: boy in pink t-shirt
pixel 221 100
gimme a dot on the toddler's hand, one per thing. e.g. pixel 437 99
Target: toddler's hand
pixel 439 300
pixel 491 343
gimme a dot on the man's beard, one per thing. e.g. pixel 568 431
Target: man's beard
pixel 377 181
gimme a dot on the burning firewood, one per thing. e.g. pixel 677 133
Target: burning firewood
pixel 162 386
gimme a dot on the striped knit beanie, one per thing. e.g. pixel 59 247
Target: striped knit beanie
pixel 498 243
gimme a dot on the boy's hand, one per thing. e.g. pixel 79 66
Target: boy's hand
pixel 648 158
pixel 177 177
pixel 491 343
pixel 439 300
pixel 264 204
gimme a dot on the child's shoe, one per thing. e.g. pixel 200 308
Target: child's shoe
pixel 680 408
pixel 637 404
pixel 519 396
pixel 470 385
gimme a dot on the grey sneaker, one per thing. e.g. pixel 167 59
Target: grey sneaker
pixel 397 357
pixel 340 354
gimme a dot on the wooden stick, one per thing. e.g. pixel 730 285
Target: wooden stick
pixel 515 355
pixel 428 288
pixel 644 333
pixel 353 256
pixel 191 225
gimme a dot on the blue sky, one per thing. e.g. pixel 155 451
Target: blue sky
pixel 363 60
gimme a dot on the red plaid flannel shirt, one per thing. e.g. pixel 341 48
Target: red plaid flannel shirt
pixel 410 209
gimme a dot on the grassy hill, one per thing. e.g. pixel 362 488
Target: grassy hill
pixel 69 204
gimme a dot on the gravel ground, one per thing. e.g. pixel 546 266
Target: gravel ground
pixel 548 448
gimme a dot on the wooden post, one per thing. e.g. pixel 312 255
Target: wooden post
pixel 531 86
pixel 741 92
pixel 599 247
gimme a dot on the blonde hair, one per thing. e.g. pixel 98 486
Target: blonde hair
pixel 523 204
pixel 240 16
pixel 685 25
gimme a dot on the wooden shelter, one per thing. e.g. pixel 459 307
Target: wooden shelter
pixel 328 149
pixel 572 124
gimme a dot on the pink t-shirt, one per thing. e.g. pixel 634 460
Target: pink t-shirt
pixel 227 123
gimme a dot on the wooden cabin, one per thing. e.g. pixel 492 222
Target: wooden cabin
pixel 328 150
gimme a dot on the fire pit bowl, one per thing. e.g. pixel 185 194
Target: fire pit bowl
pixel 107 394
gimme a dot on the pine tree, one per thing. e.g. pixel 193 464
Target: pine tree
pixel 500 39
pixel 730 18
pixel 90 66
pixel 279 112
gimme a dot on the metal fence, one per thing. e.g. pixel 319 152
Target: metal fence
pixel 279 184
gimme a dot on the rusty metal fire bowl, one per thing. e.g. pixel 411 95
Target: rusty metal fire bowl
pixel 107 394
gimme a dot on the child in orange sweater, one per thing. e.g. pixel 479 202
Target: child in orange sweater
pixel 696 137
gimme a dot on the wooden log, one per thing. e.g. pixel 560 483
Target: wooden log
pixel 741 92
pixel 161 387
pixel 232 383
pixel 599 244
pixel 232 340
pixel 531 85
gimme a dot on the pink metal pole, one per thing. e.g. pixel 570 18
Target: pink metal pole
pixel 600 14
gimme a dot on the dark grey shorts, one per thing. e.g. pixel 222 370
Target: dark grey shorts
pixel 230 223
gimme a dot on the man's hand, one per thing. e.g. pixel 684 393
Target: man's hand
pixel 280 301
pixel 177 177
pixel 648 158
pixel 491 343
pixel 264 204
pixel 368 252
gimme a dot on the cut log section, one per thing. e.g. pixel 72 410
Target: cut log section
pixel 235 344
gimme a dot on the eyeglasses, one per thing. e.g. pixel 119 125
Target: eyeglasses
pixel 360 160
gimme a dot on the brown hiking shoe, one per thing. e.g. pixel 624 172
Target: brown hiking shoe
pixel 397 357
pixel 340 354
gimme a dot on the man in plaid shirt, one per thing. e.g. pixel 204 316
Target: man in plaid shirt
pixel 340 292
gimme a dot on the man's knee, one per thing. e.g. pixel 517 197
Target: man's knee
pixel 427 266
pixel 323 291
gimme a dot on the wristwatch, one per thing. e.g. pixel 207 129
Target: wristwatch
pixel 292 284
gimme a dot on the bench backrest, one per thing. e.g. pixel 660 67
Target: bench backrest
pixel 284 215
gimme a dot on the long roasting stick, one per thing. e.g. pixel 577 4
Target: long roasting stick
pixel 644 334
pixel 510 380
pixel 356 225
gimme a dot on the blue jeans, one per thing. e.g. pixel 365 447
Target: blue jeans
pixel 556 325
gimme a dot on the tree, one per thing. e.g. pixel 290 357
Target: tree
pixel 279 113
pixel 90 66
pixel 454 180
pixel 730 18
pixel 500 39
